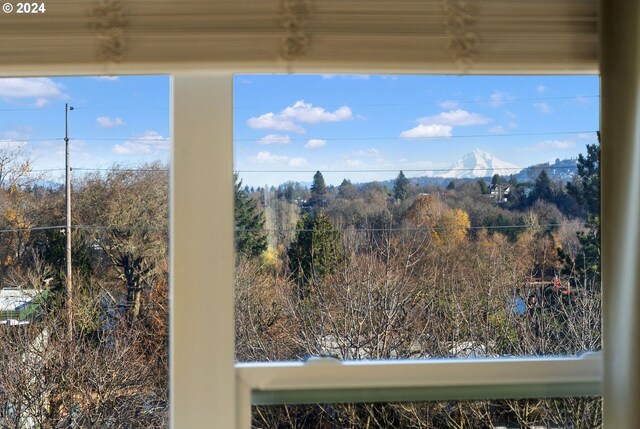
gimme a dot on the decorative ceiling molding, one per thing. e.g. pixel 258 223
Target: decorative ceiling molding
pixel 459 23
pixel 295 15
pixel 108 22
pixel 409 36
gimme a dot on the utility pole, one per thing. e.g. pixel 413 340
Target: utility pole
pixel 68 223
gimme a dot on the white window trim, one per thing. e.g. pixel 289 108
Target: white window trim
pixel 327 381
pixel 205 392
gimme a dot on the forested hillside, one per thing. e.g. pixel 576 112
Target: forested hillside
pixel 474 269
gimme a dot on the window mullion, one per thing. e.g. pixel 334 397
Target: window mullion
pixel 201 246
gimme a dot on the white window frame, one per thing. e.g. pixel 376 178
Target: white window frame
pixel 206 384
pixel 207 388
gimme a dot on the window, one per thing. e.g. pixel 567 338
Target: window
pixel 110 314
pixel 563 37
pixel 354 240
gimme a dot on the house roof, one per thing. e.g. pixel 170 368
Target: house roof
pixel 12 299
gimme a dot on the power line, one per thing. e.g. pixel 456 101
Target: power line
pixel 419 170
pixel 133 139
pixel 478 227
pixel 429 103
pixel 123 169
pixel 268 231
pixel 35 228
pixel 86 227
pixel 123 108
pixel 394 138
pixel 31 140
pixel 554 133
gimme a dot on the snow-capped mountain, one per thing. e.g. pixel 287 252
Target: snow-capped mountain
pixel 478 164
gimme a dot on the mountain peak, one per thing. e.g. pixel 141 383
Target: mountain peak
pixel 478 164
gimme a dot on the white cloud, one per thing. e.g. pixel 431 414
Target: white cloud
pixel 275 139
pixel 290 118
pixel 542 107
pixel 266 157
pixel 550 145
pixel 11 145
pixel 441 125
pixel 15 134
pixel 41 102
pixel 457 117
pixel 346 76
pixel 425 131
pixel 42 89
pixel 497 130
pixel 315 144
pixel 149 142
pixel 307 113
pixel 110 78
pixel 587 136
pixel 498 98
pixel 448 104
pixel 297 162
pixel 108 122
pixel 271 121
pixel 541 89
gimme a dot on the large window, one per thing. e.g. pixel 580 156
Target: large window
pixel 84 302
pixel 202 44
pixel 414 217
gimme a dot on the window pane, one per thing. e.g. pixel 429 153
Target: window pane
pixel 382 217
pixel 577 413
pixel 92 352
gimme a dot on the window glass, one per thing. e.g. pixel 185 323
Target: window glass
pixel 384 217
pixel 92 352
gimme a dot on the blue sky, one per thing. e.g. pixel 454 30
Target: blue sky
pixel 374 126
pixel 122 120
pixel 364 127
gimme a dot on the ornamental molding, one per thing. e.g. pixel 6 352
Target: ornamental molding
pixel 294 18
pixel 459 24
pixel 107 20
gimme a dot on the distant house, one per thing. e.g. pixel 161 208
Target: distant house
pixel 500 192
pixel 18 306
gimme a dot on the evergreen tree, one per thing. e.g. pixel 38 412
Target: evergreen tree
pixel 585 188
pixel 251 239
pixel 496 180
pixel 451 186
pixel 316 251
pixel 318 191
pixel 484 189
pixel 400 187
pixel 346 190
pixel 586 185
pixel 542 188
